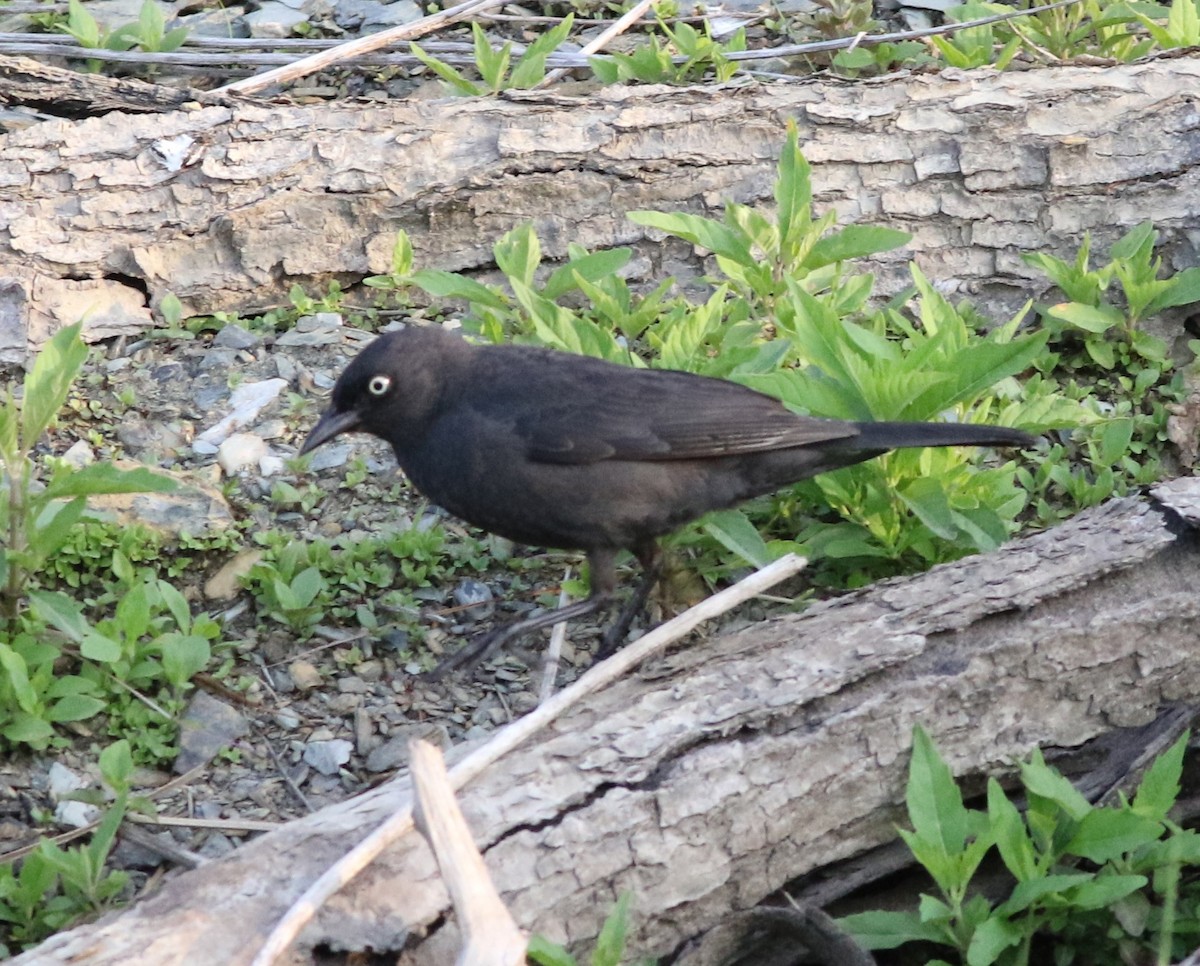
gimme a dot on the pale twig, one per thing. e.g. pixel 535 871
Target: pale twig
pixel 632 16
pixel 400 822
pixel 558 634
pixel 489 935
pixel 363 45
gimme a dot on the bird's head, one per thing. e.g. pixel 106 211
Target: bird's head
pixel 391 388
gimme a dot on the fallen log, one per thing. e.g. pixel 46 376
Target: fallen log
pixel 711 778
pixel 229 205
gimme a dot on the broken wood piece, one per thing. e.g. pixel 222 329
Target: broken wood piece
pixel 490 937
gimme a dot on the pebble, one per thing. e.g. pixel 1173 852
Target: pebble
pixel 305 675
pixel 327 757
pixel 225 584
pixel 331 456
pixel 246 402
pixel 236 337
pixel 208 726
pixel 241 452
pixel 476 597
pixel 79 455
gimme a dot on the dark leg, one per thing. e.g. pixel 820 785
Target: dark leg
pixel 651 561
pixel 602 564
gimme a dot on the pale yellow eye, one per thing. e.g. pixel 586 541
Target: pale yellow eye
pixel 379 385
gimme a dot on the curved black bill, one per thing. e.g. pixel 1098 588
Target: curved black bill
pixel 332 423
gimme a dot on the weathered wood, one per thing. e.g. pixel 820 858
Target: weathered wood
pixel 715 776
pixel 978 165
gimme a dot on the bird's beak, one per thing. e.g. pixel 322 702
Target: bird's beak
pixel 332 423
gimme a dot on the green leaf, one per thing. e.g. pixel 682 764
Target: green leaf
pixel 734 531
pixel 49 381
pixel 855 241
pixel 74 707
pixel 1159 787
pixel 1032 891
pixel 935 805
pixel 1040 779
pixel 610 944
pixel 60 611
pixel 492 64
pixel 887 930
pixel 793 190
pixel 184 656
pixel 99 647
pixel 53 526
pixel 1108 833
pixel 712 235
pixel 28 729
pixel 102 478
pixel 990 939
pixel 116 765
pixel 1091 318
pixel 519 253
pixel 1009 833
pixel 546 953
pixel 1103 890
pixel 447 73
pixel 16 673
pixel 592 267
pixel 451 285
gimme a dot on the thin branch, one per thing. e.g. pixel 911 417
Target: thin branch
pixel 400 822
pixel 362 45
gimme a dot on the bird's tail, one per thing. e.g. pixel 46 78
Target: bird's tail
pixel 884 436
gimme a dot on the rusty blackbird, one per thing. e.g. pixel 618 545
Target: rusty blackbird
pixel 558 450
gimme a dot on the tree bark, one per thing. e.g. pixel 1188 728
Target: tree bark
pixel 229 205
pixel 716 776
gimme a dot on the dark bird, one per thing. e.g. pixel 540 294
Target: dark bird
pixel 559 450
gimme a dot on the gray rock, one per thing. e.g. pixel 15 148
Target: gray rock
pixel 208 726
pixel 327 757
pixel 273 19
pixel 476 597
pixel 235 337
pixel 245 403
pixel 330 457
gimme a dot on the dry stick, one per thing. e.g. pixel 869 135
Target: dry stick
pixel 627 20
pixel 490 937
pixel 363 45
pixel 400 822
pixel 558 634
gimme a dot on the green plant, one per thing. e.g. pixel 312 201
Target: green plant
pixel 1082 29
pixel 148 33
pixel 610 944
pixel 1182 27
pixel 57 886
pixel 493 65
pixel 976 46
pixel 35 519
pixel 1100 884
pixel 1106 360
pixel 687 57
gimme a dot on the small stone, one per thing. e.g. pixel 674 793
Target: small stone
pixel 241 452
pixel 245 403
pixel 225 584
pixel 79 455
pixel 305 675
pixel 287 720
pixel 60 780
pixel 236 337
pixel 327 757
pixel 330 457
pixel 208 726
pixel 476 597
pixel 352 685
pixel 271 465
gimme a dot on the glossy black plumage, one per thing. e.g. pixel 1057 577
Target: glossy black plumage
pixel 558 450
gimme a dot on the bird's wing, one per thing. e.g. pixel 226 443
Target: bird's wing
pixel 656 415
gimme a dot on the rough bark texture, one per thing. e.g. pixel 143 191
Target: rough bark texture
pixel 722 773
pixel 227 206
